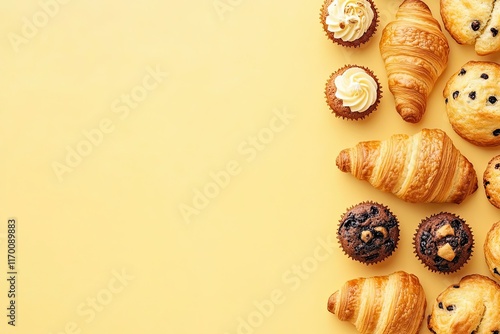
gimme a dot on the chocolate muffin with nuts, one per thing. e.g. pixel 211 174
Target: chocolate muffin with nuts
pixel 368 232
pixel 443 242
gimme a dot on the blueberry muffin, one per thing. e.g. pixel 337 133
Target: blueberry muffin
pixel 492 250
pixel 353 92
pixel 473 23
pixel 491 181
pixel 471 306
pixel 368 232
pixel 472 97
pixel 349 22
pixel 443 242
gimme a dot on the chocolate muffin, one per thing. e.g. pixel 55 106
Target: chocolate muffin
pixel 443 242
pixel 368 232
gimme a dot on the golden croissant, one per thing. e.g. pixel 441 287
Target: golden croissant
pixel 392 304
pixel 415 52
pixel 422 168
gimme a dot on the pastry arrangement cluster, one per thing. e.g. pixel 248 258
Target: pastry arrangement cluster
pixel 425 167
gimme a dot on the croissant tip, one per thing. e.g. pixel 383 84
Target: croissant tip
pixel 410 118
pixel 409 114
pixel 343 161
pixel 332 302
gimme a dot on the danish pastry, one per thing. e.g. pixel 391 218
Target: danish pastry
pixel 471 306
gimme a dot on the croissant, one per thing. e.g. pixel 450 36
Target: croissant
pixel 422 168
pixel 415 52
pixel 392 304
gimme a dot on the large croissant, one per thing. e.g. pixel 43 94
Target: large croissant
pixel 422 168
pixel 393 304
pixel 415 52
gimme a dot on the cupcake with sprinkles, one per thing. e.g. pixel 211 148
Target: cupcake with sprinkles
pixel 353 92
pixel 349 23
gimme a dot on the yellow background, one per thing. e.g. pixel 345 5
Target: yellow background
pixel 258 255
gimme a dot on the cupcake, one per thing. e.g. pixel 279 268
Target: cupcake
pixel 353 92
pixel 443 242
pixel 368 232
pixel 349 22
pixel 492 250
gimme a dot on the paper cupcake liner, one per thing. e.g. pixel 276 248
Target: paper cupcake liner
pixel 422 260
pixel 355 115
pixel 372 29
pixel 340 237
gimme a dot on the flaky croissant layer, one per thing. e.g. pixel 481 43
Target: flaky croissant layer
pixel 422 168
pixel 415 52
pixel 392 304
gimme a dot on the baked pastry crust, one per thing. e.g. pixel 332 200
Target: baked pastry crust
pixel 473 23
pixel 471 306
pixel 491 181
pixel 492 250
pixel 391 304
pixel 472 98
pixel 415 52
pixel 422 168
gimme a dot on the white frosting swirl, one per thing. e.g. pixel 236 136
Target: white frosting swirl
pixel 349 19
pixel 357 89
